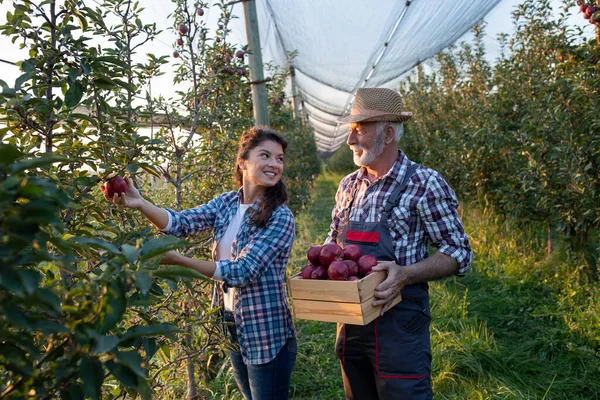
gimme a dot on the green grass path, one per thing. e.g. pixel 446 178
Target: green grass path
pixel 498 333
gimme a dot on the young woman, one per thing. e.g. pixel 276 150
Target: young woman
pixel 253 233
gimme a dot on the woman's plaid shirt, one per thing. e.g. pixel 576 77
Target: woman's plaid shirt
pixel 257 268
pixel 425 214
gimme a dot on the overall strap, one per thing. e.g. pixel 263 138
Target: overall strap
pixel 395 195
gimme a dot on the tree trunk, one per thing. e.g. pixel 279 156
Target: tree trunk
pixel 192 389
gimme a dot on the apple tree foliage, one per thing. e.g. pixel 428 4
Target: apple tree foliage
pixel 85 309
pixel 521 135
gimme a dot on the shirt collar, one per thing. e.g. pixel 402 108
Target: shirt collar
pixel 396 172
pixel 240 196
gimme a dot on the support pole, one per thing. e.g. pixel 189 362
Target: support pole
pixel 259 90
pixel 295 97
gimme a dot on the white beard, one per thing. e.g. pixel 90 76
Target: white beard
pixel 368 156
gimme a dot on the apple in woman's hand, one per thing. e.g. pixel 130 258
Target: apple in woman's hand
pixel 115 185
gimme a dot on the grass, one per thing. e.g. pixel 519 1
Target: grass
pixel 520 325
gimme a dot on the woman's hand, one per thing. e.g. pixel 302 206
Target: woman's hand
pixel 130 198
pixel 171 257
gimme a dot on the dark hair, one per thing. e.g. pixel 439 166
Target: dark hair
pixel 273 196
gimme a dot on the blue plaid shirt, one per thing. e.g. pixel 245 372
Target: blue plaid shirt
pixel 257 268
pixel 425 214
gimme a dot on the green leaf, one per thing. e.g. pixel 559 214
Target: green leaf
pixel 143 281
pixel 133 361
pixel 10 280
pixel 144 389
pixel 177 271
pixel 82 21
pixel 49 327
pixel 149 330
pixel 104 344
pixel 30 279
pixel 96 243
pixel 74 94
pixel 22 79
pixel 74 392
pixel 131 253
pixel 9 153
pixel 92 375
pixel 113 306
pixel 104 83
pixel 111 60
pixel 48 297
pixel 31 163
pixel 164 346
pixel 161 245
pixel 84 117
pixel 122 373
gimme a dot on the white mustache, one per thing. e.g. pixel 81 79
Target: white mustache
pixel 357 147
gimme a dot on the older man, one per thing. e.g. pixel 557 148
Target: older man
pixel 393 208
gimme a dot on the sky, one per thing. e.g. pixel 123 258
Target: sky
pixel 498 21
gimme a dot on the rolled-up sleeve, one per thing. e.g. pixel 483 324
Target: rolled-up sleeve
pixel 194 220
pixel 273 241
pixel 438 210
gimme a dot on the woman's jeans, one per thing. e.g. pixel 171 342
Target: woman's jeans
pixel 265 381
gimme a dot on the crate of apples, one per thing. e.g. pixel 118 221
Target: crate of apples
pixel 330 261
pixel 337 285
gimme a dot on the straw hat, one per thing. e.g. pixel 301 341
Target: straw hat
pixel 376 104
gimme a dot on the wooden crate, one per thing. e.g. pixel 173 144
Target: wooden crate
pixel 348 302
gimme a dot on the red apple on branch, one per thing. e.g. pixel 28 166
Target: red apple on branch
pixel 116 185
pixel 183 29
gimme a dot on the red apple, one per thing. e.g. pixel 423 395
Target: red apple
pixel 365 263
pixel 329 253
pixel 241 71
pixel 352 252
pixel 352 267
pixel 218 40
pixel 319 273
pixel 353 278
pixel 239 54
pixel 200 12
pixel 313 255
pixel 116 185
pixel 179 42
pixel 175 54
pixel 338 271
pixel 307 270
pixel 183 29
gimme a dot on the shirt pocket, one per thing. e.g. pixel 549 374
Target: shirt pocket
pixel 400 222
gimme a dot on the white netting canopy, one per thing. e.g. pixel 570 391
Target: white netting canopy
pixel 342 45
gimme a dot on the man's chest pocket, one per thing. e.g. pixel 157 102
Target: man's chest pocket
pixel 400 222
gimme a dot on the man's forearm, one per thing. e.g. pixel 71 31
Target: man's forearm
pixel 433 268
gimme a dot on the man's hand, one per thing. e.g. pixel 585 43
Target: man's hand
pixel 390 288
pixel 130 198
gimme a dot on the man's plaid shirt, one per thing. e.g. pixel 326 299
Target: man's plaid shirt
pixel 425 214
pixel 257 268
